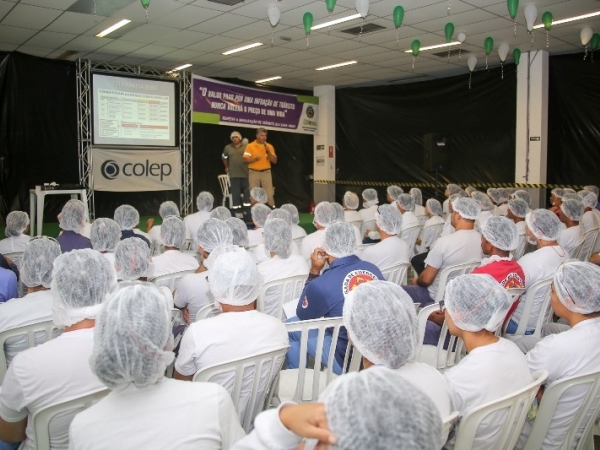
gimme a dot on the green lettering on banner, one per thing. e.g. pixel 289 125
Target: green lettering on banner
pixel 308 99
pixel 199 117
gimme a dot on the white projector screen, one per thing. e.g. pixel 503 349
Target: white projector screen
pixel 133 111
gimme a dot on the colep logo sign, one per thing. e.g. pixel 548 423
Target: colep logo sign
pixel 110 169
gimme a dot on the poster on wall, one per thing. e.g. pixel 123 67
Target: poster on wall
pixel 221 103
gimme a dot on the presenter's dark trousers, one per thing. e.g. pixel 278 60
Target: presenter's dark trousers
pixel 239 187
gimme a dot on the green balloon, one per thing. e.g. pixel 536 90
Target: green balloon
pixel 449 30
pixel 330 5
pixel 595 41
pixel 488 45
pixel 513 6
pixel 547 20
pixel 398 16
pixel 308 21
pixel 415 47
pixel 517 56
pixel 145 3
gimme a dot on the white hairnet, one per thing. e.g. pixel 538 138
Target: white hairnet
pixel 469 190
pixel 258 194
pixel 504 194
pixel 167 209
pixel 218 251
pixel 494 194
pixel 131 333
pixel 523 195
pixel 80 281
pixel 260 212
pixel 415 193
pixel 558 192
pixel 379 409
pixel 476 302
pixel 205 201
pixel 501 233
pixel 325 214
pixel 590 200
pixel 16 223
pixel 406 202
pixel 543 224
pixel 483 201
pixel 382 323
pixel 283 215
pixel 351 200
pixel 572 208
pixel 234 279
pixel 394 191
pixel 370 197
pixel 37 262
pixel 72 216
pixel 569 191
pixel 105 235
pixel 278 237
pixel 518 207
pixel 577 285
pixel 221 213
pixel 593 189
pixel 389 219
pixel 239 230
pixel 133 259
pixel 582 193
pixel 127 217
pixel 212 233
pixel 172 232
pixel 454 188
pixel 340 240
pixel 434 206
pixel 339 211
pixel 293 212
pixel 466 207
pixel 454 197
pixel 571 195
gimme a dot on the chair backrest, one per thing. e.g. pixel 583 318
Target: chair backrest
pixel 582 422
pixel 170 280
pixel 521 246
pixel 410 235
pixel 528 304
pixel 42 418
pixel 356 223
pixel 586 246
pixel 397 273
pixel 515 406
pixel 225 184
pixel 157 249
pixel 298 241
pixel 207 311
pixel 431 233
pixel 448 423
pixel 422 219
pixel 367 225
pixel 451 272
pixel 277 293
pixel 35 333
pixel 264 365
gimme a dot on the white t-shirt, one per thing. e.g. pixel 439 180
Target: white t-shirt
pixel 298 231
pixel 169 414
pixel 409 220
pixel 352 216
pixel 588 221
pixel 486 374
pixel 445 207
pixel 312 241
pixel 14 244
pixel 503 208
pixel 419 210
pixel 154 234
pixel 387 253
pixel 367 215
pixel 172 261
pixel 260 253
pixel 40 376
pixel 193 222
pixel 276 268
pixel 537 266
pixel 457 248
pixel 448 228
pixel 521 227
pixel 569 238
pixel 142 233
pixel 255 237
pixel 193 292
pixel 482 219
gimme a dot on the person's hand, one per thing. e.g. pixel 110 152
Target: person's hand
pixel 308 420
pixel 317 260
pixel 437 317
pixel 186 315
pixel 149 223
pixel 367 233
pixel 414 280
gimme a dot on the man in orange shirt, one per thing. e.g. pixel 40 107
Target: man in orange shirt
pixel 259 156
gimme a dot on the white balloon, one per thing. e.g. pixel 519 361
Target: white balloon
pixel 472 62
pixel 503 51
pixel 530 16
pixel 274 15
pixel 586 35
pixel 362 7
pixel 462 37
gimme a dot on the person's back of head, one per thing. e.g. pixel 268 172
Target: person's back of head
pixel 293 212
pixel 167 209
pixel 221 213
pixel 577 286
pixel 406 202
pixel 518 207
pixel 483 201
pixel 501 232
pixel 394 192
pixel 388 219
pixel 494 194
pixel 234 279
pixel 340 240
pixel 205 201
pixel 38 262
pixel 417 196
pixel 212 233
pixel 542 225
pixel 133 259
pixel 172 232
pixel 339 211
pixel 593 188
pixel 504 195
pixel 369 196
pixel 127 217
pixel 523 195
pixel 239 230
pixel 16 223
pixel 325 214
pixel 434 207
pixel 258 194
pixel 281 214
pixel 260 212
pixel 466 207
pixel 105 235
pixel 453 189
pixel 571 209
pixel 589 200
pixel 278 237
pixel 351 200
pixel 72 216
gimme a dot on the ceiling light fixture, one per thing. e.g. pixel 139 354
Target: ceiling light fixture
pixel 335 66
pixel 265 80
pixel 335 22
pixel 184 66
pixel 114 27
pixel 241 49
pixel 569 19
pixel 431 47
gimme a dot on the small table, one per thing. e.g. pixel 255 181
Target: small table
pixel 36 204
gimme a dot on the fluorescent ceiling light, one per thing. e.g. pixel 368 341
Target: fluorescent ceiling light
pixel 431 47
pixel 570 19
pixel 116 26
pixel 335 66
pixel 335 22
pixel 265 80
pixel 241 49
pixel 184 66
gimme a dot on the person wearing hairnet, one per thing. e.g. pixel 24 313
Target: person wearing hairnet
pixel 417 196
pixel 323 294
pixel 576 299
pixel 448 228
pixel 71 221
pixel 464 245
pixel 105 235
pixel 406 206
pixel 350 203
pixel 451 189
pixel 172 236
pixel 595 190
pixel 17 225
pixel 495 197
pixel 367 213
pixel 340 216
pixel 165 210
pixel 571 211
pixel 132 349
pixel 392 194
pixel 502 204
pixel 522 195
pixel 297 230
pixel 517 210
pixel 325 215
pixel 128 219
pixel 239 331
pixel 204 203
pixel 542 231
pixel 258 195
pixel 59 369
pixel 372 409
pixel 494 367
pixel 486 207
pixel 556 199
pixel 237 169
pixel 433 210
pixel 221 213
pixel 391 250
pixel 591 216
pixel 260 212
pixel 260 252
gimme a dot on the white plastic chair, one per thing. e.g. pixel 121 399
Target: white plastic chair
pixel 368 225
pixel 357 224
pixel 71 407
pixel 448 423
pixel 422 219
pixel 432 233
pixel 207 311
pixel 397 273
pixel 298 241
pixel 451 272
pixel 545 309
pixel 253 395
pixel 170 280
pixel 35 333
pixel 225 184
pixel 586 246
pixel 410 236
pixel 283 290
pixel 583 421
pixel 521 246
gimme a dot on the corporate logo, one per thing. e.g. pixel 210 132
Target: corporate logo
pixel 110 169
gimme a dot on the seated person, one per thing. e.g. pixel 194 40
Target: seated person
pixel 324 216
pixel 486 207
pixel 17 225
pixel 132 349
pixel 451 189
pixel 9 287
pixel 204 202
pixel 172 236
pixel 128 219
pixel 522 195
pixel 417 196
pixel 340 216
pixel 165 210
pixel 221 213
pixel 595 190
pixel 448 228
pixel 297 230
pixel 104 236
pixel 260 212
pixel 556 199
pixel 260 253
pixel 591 216
pixel 571 211
pixel 494 367
pixel 240 234
pixel 517 210
pixel 406 205
pixel 59 369
pixel 350 207
pixel 494 195
pixel 392 194
pixel 258 195
pixel 433 209
pixel 71 221
pixel 367 214
pixel 504 196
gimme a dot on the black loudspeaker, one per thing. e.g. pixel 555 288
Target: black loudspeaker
pixel 436 152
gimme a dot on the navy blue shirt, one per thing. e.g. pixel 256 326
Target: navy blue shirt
pixel 129 233
pixel 69 240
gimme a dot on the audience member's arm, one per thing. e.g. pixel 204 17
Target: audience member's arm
pixel 178 376
pixel 426 277
pixel 12 432
pixel 595 259
pixel 312 303
pixel 185 367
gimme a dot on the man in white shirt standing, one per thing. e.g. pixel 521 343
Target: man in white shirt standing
pixel 571 211
pixel 324 216
pixel 204 202
pixel 172 234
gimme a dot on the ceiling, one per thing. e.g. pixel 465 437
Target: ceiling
pixel 198 31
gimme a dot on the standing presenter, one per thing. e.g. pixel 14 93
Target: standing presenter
pixel 235 165
pixel 259 156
